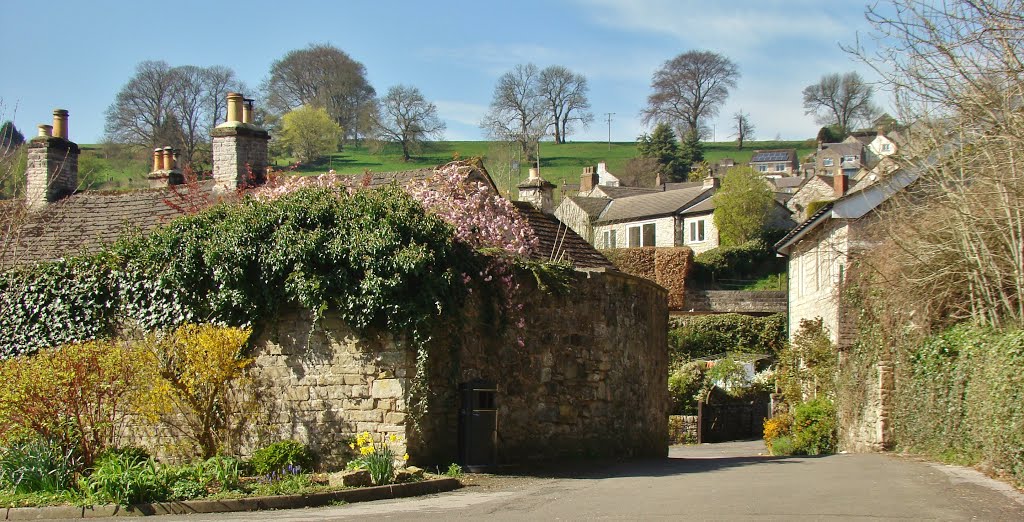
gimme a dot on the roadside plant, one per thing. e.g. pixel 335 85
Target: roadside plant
pixel 124 480
pixel 376 457
pixel 36 465
pixel 281 455
pixel 814 427
pixel 776 428
pixel 454 470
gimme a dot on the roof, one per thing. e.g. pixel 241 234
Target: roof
pixel 786 182
pixel 624 192
pixel 592 207
pixel 689 184
pixel 558 242
pixel 844 149
pixel 703 207
pixel 88 221
pixel 761 156
pixel 652 205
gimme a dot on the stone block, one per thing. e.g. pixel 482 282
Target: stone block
pixel 386 389
pixel 351 479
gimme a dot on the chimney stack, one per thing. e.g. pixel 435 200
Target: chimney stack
pixel 239 147
pixel 52 168
pixel 840 183
pixel 538 192
pixel 711 182
pixel 588 180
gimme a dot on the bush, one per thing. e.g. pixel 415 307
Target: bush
pixel 132 453
pixel 751 260
pixel 777 427
pixel 707 335
pixel 684 385
pixel 783 446
pixel 454 470
pixel 37 466
pixel 814 427
pixel 279 455
pixel 807 366
pixel 76 395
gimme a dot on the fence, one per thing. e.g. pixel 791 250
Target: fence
pixel 732 420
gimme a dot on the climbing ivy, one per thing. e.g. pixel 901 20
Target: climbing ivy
pixel 376 257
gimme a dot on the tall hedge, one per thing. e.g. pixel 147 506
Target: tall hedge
pixel 701 336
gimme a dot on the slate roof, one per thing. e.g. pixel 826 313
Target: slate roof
pixel 651 205
pixel 592 207
pixel 689 184
pixel 624 192
pixel 87 221
pixel 703 207
pixel 844 149
pixel 559 242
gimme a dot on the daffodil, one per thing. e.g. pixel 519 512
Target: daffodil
pixel 405 457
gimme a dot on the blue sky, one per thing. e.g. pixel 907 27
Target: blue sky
pixel 77 55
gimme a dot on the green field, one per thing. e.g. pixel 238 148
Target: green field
pixel 559 163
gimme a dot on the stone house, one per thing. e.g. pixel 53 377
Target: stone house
pixel 815 189
pixel 833 159
pixel 778 162
pixel 585 376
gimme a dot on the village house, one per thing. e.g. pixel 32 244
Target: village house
pixel 582 386
pixel 779 162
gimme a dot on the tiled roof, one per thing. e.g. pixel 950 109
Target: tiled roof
pixel 559 242
pixel 844 149
pixel 703 207
pixel 689 184
pixel 87 221
pixel 651 205
pixel 592 207
pixel 624 192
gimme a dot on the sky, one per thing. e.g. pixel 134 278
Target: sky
pixel 77 55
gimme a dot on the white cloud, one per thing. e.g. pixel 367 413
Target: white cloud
pixel 493 58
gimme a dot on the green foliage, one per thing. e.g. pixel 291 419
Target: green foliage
pixel 706 335
pixel 751 260
pixel 743 205
pixel 375 256
pixel 35 465
pixel 284 484
pixel 778 427
pixel 814 427
pixel 132 453
pixel 830 134
pixel 454 470
pixel 691 151
pixel 729 376
pixel 124 480
pixel 663 146
pixel 222 471
pixel 959 396
pixel 279 456
pixel 684 385
pixel 783 446
pixel 807 366
pixel 814 206
pixel 376 457
pixel 309 133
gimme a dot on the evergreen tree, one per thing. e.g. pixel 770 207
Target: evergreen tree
pixel 662 146
pixel 10 137
pixel 692 151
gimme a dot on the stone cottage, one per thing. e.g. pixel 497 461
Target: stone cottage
pixel 585 376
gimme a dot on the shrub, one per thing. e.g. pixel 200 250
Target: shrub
pixel 807 366
pixel 454 470
pixel 37 466
pixel 706 335
pixel 684 385
pixel 76 395
pixel 280 455
pixel 776 427
pixel 814 427
pixel 783 446
pixel 751 260
pixel 222 472
pixel 200 366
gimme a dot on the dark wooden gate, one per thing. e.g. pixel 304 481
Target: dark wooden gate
pixel 734 420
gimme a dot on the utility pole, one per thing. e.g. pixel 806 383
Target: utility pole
pixel 609 115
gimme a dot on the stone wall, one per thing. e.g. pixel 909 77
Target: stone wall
pixel 590 378
pixel 736 301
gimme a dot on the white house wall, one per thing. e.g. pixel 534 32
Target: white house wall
pixel 575 218
pixel 710 233
pixel 817 265
pixel 664 232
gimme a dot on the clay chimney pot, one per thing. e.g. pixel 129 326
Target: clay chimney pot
pixel 60 123
pixel 46 131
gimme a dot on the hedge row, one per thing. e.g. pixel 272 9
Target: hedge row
pixel 701 336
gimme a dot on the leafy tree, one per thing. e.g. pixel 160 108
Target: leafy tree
pixel 323 76
pixel 10 137
pixel 743 204
pixel 829 134
pixel 691 151
pixel 517 111
pixel 843 100
pixel 807 365
pixel 309 133
pixel 407 118
pixel 744 129
pixel 662 146
pixel 565 96
pixel 689 89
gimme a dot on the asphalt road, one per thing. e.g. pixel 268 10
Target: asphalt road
pixel 730 481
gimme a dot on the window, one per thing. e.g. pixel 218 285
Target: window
pixel 886 147
pixel 641 235
pixel 849 159
pixel 780 167
pixel 827 162
pixel 762 168
pixel 609 238
pixel 697 231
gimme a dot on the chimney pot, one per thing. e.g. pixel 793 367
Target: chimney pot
pixel 168 155
pixel 710 182
pixel 247 110
pixel 158 159
pixel 60 123
pixel 235 101
pixel 45 131
pixel 533 173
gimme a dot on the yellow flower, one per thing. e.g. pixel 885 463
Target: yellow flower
pixel 392 437
pixel 405 457
pixel 352 445
pixel 366 450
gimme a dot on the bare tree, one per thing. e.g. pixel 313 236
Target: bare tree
pixel 321 75
pixel 517 110
pixel 744 129
pixel 565 95
pixel 407 118
pixel 843 100
pixel 219 82
pixel 141 107
pixel 689 89
pixel 957 235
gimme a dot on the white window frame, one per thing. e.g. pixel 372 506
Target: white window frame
pixel 609 238
pixel 640 232
pixel 780 167
pixel 886 147
pixel 698 232
pixel 827 162
pixel 762 168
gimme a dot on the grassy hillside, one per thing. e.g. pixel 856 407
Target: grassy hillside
pixel 103 169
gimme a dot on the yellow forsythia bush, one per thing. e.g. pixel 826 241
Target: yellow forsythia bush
pixel 777 426
pixel 201 389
